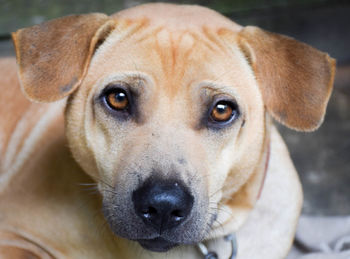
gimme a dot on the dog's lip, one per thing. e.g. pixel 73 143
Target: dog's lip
pixel 158 244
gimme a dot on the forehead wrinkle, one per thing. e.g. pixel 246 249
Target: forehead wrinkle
pixel 174 50
pixel 215 39
pixel 148 34
pixel 210 39
pixel 127 28
pixel 176 56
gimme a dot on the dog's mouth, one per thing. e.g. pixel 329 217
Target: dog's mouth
pixel 158 244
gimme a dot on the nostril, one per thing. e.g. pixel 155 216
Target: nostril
pixel 177 215
pixel 149 212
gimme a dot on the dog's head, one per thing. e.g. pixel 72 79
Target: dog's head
pixel 166 111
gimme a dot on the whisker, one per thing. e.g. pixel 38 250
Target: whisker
pixel 87 184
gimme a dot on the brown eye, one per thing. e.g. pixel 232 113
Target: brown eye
pixel 117 99
pixel 224 111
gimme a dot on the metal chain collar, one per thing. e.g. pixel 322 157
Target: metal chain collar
pixel 212 255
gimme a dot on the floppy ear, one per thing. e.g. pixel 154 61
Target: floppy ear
pixel 295 79
pixel 53 57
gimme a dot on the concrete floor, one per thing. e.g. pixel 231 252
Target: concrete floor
pixel 322 158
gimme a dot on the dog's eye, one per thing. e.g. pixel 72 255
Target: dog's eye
pixel 224 112
pixel 117 99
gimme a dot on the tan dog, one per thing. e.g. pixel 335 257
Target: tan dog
pixel 169 113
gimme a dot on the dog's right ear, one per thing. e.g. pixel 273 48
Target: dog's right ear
pixel 53 57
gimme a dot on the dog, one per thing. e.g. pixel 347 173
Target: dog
pixel 166 112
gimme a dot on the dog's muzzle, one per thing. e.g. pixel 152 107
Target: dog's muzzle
pixel 162 206
pixel 158 212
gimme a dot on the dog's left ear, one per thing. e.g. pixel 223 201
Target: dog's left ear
pixel 53 57
pixel 295 79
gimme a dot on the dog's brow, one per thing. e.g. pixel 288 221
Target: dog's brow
pixel 215 89
pixel 134 80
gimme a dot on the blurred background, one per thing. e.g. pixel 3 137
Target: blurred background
pixel 322 158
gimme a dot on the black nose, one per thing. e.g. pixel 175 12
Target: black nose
pixel 162 205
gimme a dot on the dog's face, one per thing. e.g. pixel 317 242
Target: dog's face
pixel 169 119
pixel 152 120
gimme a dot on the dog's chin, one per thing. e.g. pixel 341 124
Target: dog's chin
pixel 157 244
